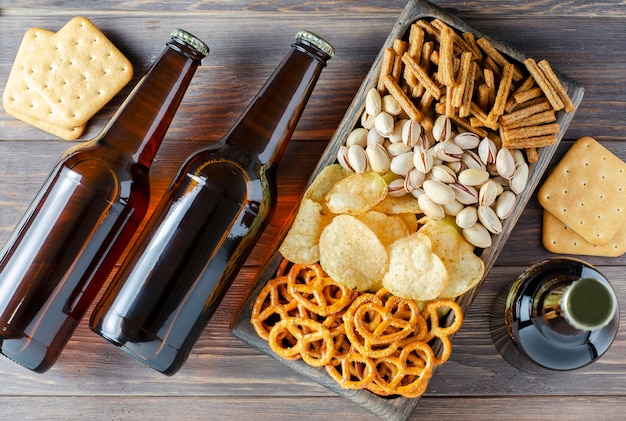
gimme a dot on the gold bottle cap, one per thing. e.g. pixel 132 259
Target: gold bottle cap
pixel 316 41
pixel 192 40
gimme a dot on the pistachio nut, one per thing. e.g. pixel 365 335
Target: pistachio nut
pixel 488 193
pixel 470 159
pixel 487 216
pixel 466 140
pixel 373 102
pixel 374 137
pixel 396 135
pixel 414 179
pixel 395 149
pixel 430 208
pixel 391 106
pixel 395 187
pixel 423 159
pixel 505 163
pixel 402 164
pixel 453 208
pixel 467 217
pixel 367 120
pixel 417 192
pixel 467 195
pixel 473 177
pixel 352 158
pixel 442 129
pixel 443 173
pixel 505 204
pixel 477 235
pixel 384 123
pixel 518 181
pixel 378 158
pixel 411 133
pixel 487 151
pixel 357 136
pixel 447 151
pixel 438 192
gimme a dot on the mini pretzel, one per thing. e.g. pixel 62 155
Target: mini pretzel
pixel 318 293
pixel 431 314
pixel 354 372
pixel 271 305
pixel 306 333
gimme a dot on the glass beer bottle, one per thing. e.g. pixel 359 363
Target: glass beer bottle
pixel 65 246
pixel 207 223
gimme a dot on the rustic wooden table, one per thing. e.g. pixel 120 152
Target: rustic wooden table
pixel 224 378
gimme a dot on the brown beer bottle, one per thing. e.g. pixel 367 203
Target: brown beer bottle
pixel 64 248
pixel 207 222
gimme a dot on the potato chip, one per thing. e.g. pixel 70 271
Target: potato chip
pixel 388 228
pixel 324 181
pixel 397 205
pixel 301 242
pixel 410 220
pixel 464 268
pixel 356 194
pixel 415 272
pixel 352 254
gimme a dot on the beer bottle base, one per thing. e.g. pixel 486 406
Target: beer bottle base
pixel 27 352
pixel 142 345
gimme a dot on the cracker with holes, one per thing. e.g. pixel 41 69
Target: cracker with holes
pixel 559 238
pixel 60 80
pixel 586 191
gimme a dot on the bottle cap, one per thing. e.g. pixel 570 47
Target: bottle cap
pixel 316 41
pixel 192 40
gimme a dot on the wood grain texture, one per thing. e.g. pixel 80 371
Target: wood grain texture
pixel 224 378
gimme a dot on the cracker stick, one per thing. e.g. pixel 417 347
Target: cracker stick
pixel 460 45
pixel 406 104
pixel 533 120
pixel 422 76
pixel 527 95
pixel 492 52
pixel 428 28
pixel 530 142
pixel 568 105
pixel 544 84
pixel 531 131
pixel 531 155
pixel 522 113
pixel 528 83
pixel 461 83
pixel 424 63
pixel 503 92
pixel 465 125
pixel 468 93
pixel 483 96
pixel 385 69
pixel 414 50
pixel 446 59
pixel 490 82
pixel 399 47
pixel 471 42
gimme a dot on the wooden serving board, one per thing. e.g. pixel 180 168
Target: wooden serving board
pixel 398 408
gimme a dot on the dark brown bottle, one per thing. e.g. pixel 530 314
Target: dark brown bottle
pixel 207 223
pixel 82 219
pixel 560 314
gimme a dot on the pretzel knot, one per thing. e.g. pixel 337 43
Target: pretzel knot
pixel 353 371
pixel 295 337
pixel 272 304
pixel 431 315
pixel 317 292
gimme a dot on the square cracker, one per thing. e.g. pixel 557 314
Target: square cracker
pixel 587 191
pixel 77 72
pixel 559 238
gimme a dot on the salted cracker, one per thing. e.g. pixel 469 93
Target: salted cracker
pixel 559 238
pixel 77 72
pixel 587 191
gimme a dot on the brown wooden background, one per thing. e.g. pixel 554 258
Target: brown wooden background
pixel 224 378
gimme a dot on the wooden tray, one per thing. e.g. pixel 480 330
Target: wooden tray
pixel 399 408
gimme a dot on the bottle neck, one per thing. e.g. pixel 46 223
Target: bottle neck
pixel 139 126
pixel 586 304
pixel 264 128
